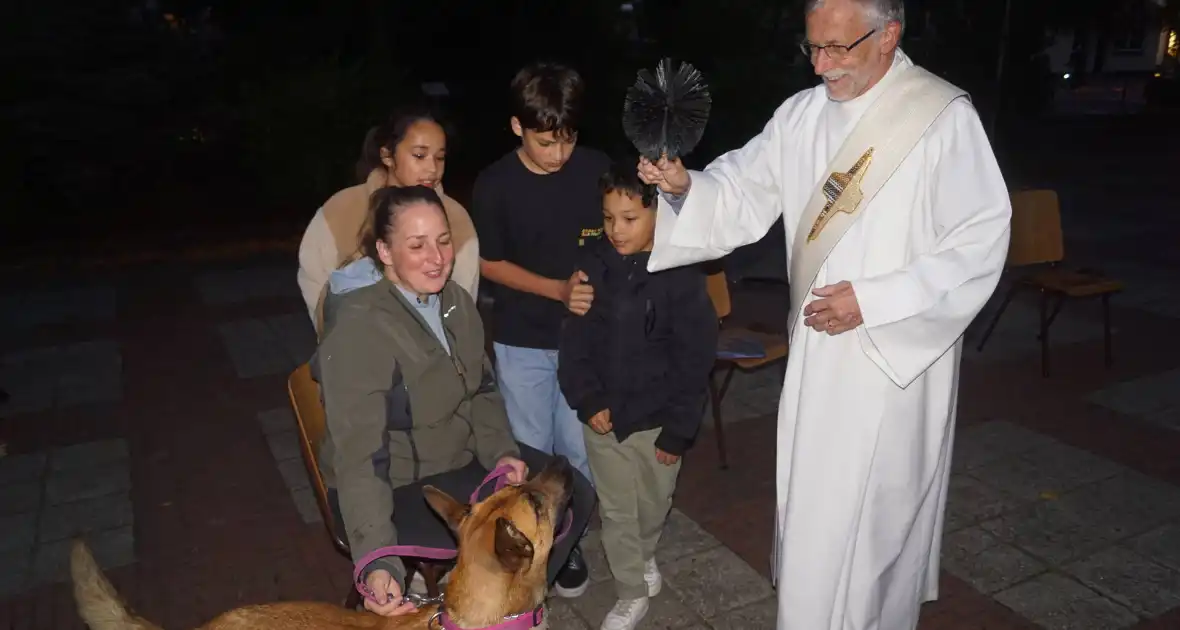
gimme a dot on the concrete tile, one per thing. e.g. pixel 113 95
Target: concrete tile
pixel 559 615
pixel 1161 545
pixel 83 517
pixel 76 485
pixel 715 581
pixel 970 501
pixel 1142 396
pixel 595 557
pixel 18 531
pixel 1049 470
pixel 296 334
pixel 18 498
pixel 241 285
pixel 77 304
pixel 682 537
pixel 305 503
pixel 88 455
pixel 294 474
pixel 1052 532
pixel 987 442
pixel 985 562
pixel 277 420
pixel 666 612
pixel 62 376
pixel 16 468
pixel 1128 504
pixel 760 615
pixel 112 548
pixel 1124 576
pixel 284 446
pixel 1059 603
pixel 254 349
pixel 15 568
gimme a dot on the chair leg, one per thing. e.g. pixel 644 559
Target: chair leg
pixel 1108 356
pixel 996 319
pixel 1044 333
pixel 431 574
pixel 1057 305
pixel 353 599
pixel 716 394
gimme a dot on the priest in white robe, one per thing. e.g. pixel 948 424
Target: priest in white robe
pixel 897 226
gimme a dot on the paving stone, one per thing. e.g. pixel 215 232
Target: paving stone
pixel 984 443
pixel 666 612
pixel 88 455
pixel 305 503
pixel 20 497
pixel 1127 505
pixel 1049 470
pixel 241 285
pixel 985 562
pixel 682 537
pixel 760 615
pixel 294 473
pixel 1161 545
pixel 284 446
pixel 1052 532
pixel 83 517
pixel 595 557
pixel 39 308
pixel 277 420
pixel 1154 398
pixel 16 468
pixel 112 548
pixel 76 485
pixel 1124 576
pixel 254 349
pixel 1059 603
pixel 75 374
pixel 560 615
pixel 715 581
pixel 18 531
pixel 296 334
pixel 14 571
pixel 970 501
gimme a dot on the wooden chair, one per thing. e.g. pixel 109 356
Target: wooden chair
pixel 1037 240
pixel 775 346
pixel 309 415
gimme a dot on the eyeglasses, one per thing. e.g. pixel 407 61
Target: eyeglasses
pixel 835 52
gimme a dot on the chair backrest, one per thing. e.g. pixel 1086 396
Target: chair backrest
pixel 719 293
pixel 309 416
pixel 1036 228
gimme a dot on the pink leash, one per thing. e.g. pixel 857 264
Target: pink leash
pixel 500 475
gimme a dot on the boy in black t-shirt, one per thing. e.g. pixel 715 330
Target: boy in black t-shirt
pixel 533 209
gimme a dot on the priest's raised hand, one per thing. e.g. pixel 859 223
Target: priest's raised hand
pixel 669 175
pixel 837 310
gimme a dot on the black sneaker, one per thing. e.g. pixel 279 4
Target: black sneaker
pixel 574 577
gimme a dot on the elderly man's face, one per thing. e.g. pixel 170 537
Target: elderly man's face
pixel 854 63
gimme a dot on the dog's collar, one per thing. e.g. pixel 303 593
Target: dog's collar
pixel 523 621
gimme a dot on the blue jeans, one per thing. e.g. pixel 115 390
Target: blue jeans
pixel 537 411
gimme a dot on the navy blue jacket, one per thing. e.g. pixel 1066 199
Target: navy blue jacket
pixel 644 350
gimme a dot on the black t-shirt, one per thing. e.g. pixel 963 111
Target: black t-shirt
pixel 538 222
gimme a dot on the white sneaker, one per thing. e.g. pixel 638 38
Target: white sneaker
pixel 626 614
pixel 652 577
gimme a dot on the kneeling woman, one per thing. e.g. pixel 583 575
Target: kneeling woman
pixel 409 393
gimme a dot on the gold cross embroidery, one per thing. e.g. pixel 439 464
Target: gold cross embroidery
pixel 843 193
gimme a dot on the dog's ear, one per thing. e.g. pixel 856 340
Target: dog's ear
pixel 446 506
pixel 513 549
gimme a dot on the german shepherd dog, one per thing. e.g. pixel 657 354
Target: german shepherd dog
pixel 504 544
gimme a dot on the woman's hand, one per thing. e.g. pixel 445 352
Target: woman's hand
pixel 666 458
pixel 519 472
pixel 386 589
pixel 600 422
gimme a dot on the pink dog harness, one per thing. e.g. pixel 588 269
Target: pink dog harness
pixel 522 621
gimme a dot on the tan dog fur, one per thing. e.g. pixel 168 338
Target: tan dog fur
pixel 504 544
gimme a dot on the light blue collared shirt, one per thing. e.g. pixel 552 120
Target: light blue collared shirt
pixel 431 310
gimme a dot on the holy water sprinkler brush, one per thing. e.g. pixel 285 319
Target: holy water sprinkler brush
pixel 666 113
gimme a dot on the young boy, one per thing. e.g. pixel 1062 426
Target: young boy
pixel 636 368
pixel 532 209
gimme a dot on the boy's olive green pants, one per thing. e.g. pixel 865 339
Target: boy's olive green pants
pixel 634 497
